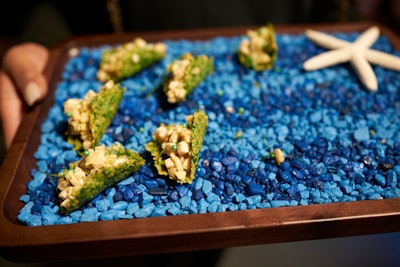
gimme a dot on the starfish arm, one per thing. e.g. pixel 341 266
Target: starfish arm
pixel 325 40
pixel 364 71
pixel 367 38
pixel 327 59
pixel 383 59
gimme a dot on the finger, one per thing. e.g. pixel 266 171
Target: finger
pixel 25 64
pixel 11 108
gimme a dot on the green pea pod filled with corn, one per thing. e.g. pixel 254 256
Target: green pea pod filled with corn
pixel 99 168
pixel 89 118
pixel 260 50
pixel 176 148
pixel 118 63
pixel 184 75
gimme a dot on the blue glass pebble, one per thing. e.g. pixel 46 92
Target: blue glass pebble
pixel 145 211
pixel 89 215
pixel 216 166
pixel 146 198
pixel 159 211
pixel 206 187
pixel 255 189
pixel 120 205
pixel 132 208
pixel 380 179
pixel 229 160
pixel 103 204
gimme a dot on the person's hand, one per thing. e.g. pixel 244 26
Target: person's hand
pixel 22 84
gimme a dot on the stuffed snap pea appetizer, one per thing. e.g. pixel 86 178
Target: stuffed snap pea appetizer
pixel 184 75
pixel 118 63
pixel 176 148
pixel 100 168
pixel 89 118
pixel 260 50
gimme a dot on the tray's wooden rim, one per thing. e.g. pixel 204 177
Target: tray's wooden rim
pixel 171 233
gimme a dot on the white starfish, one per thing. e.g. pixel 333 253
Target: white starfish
pixel 358 53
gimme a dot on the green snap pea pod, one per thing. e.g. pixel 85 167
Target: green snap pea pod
pixel 99 169
pixel 90 117
pixel 118 63
pixel 163 148
pixel 184 75
pixel 260 50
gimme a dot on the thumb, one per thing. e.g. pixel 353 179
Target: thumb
pixel 24 64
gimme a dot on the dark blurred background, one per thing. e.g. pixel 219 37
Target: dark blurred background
pixel 49 21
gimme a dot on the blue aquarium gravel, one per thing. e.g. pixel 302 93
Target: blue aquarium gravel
pixel 341 142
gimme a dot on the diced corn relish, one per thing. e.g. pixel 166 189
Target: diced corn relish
pixel 100 168
pixel 175 141
pixel 78 111
pixel 128 59
pixel 259 50
pixel 97 159
pixel 185 74
pixel 89 117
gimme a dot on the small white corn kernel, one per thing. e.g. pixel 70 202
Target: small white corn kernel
pixel 160 134
pixel 183 148
pixel 177 161
pixel 180 175
pixel 196 71
pixel 135 58
pixel 279 156
pixel 169 163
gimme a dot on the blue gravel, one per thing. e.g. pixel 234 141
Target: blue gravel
pixel 341 142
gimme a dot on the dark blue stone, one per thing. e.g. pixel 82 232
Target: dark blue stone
pixel 158 191
pixel 318 184
pixel 330 160
pixel 128 194
pixel 293 191
pixel 247 179
pixel 220 185
pixel 36 209
pixel 217 156
pixel 215 175
pixel 286 166
pixel 201 171
pixel 231 168
pixel 229 189
pixel 298 164
pixel 218 192
pixel 229 160
pixel 286 176
pixel 198 194
pixel 297 174
pixel 326 178
pixel 255 189
pixel 173 196
pixel 182 190
pixel 233 152
pixel 118 196
pixel 161 182
pixel 150 183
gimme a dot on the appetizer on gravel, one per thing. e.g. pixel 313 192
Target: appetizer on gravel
pixel 259 51
pixel 176 148
pixel 89 118
pixel 100 168
pixel 118 63
pixel 184 75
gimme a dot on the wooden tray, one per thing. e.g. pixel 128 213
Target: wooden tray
pixel 172 233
